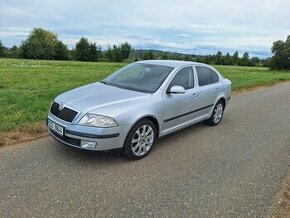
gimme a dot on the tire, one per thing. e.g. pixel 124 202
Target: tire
pixel 140 140
pixel 217 114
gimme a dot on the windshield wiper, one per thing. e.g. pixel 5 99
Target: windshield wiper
pixel 104 82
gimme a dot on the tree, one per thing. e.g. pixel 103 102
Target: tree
pixel 281 57
pixel 164 56
pixel 227 59
pixel 71 54
pixel 117 54
pixel 186 58
pixel 145 56
pixel 95 52
pixel 2 49
pixel 150 55
pixel 235 59
pixel 218 57
pixel 109 54
pixel 12 52
pixel 82 50
pixel 244 61
pixel 266 62
pixel 61 52
pixel 254 61
pixel 125 50
pixel 40 44
pixel 86 51
pixel 208 59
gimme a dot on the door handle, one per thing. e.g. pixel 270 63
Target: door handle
pixel 194 95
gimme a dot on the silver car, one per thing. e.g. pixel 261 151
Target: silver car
pixel 137 104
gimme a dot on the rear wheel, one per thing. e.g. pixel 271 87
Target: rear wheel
pixel 140 140
pixel 217 114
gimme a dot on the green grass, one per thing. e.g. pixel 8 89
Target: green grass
pixel 27 87
pixel 249 77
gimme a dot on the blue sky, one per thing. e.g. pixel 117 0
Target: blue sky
pixel 200 27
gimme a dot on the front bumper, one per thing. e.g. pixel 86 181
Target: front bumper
pixel 74 135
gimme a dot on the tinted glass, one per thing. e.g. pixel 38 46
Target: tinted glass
pixel 204 76
pixel 214 77
pixel 139 77
pixel 183 78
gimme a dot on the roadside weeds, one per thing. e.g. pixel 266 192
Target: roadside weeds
pixel 281 203
pixel 23 134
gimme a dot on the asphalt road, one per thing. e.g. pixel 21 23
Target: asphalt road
pixel 231 170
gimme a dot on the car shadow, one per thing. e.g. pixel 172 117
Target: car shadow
pixel 71 153
pixel 68 153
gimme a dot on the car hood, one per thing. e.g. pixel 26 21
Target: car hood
pixel 93 96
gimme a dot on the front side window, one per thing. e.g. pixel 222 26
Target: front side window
pixel 184 78
pixel 139 77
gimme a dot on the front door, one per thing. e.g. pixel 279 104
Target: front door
pixel 179 108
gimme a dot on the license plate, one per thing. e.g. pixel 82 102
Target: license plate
pixel 55 127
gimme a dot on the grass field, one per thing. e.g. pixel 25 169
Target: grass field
pixel 27 87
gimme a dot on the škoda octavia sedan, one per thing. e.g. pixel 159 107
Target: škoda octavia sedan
pixel 137 104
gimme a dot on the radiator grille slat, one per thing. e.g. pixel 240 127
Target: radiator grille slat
pixel 65 114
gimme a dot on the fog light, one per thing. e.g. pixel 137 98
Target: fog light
pixel 88 144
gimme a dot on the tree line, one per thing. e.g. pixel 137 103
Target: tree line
pixel 43 44
pixel 217 59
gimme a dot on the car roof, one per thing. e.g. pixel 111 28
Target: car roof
pixel 171 63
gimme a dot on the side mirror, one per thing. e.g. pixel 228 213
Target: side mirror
pixel 176 90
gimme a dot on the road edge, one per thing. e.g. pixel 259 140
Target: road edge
pixel 38 130
pixel 281 202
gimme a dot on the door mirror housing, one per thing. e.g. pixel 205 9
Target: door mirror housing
pixel 176 90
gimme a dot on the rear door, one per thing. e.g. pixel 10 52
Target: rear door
pixel 208 87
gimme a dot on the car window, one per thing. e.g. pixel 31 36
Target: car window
pixel 206 76
pixel 214 77
pixel 139 77
pixel 184 78
pixel 132 73
pixel 203 74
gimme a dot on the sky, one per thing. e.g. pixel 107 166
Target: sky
pixel 192 27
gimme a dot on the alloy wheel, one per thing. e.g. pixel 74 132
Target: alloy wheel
pixel 218 113
pixel 142 140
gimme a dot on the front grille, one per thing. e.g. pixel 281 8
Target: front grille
pixel 65 114
pixel 71 141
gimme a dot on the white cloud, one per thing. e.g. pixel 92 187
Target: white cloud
pixel 204 26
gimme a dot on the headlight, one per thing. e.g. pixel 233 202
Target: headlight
pixel 98 121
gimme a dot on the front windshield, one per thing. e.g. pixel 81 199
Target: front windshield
pixel 139 77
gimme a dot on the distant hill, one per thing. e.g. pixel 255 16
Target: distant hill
pixel 140 53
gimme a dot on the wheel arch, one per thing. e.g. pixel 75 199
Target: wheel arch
pixel 223 100
pixel 153 119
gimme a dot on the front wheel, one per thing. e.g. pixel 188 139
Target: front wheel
pixel 217 114
pixel 140 140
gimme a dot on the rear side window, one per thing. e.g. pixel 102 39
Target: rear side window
pixel 203 74
pixel 214 76
pixel 184 78
pixel 206 76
